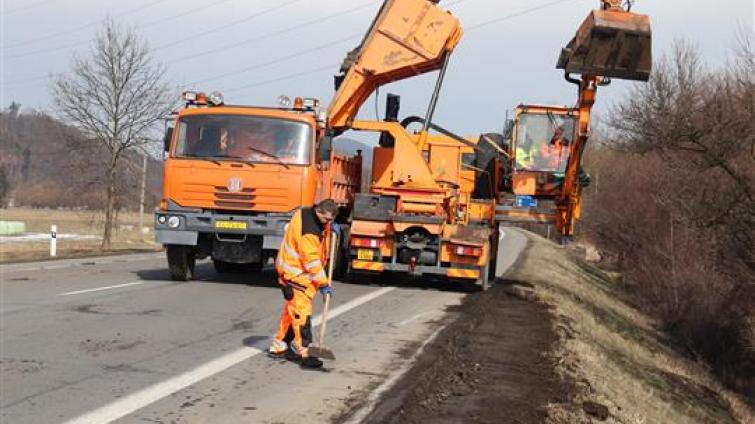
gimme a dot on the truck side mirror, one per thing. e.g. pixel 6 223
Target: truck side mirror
pixel 166 139
pixel 325 149
pixel 392 107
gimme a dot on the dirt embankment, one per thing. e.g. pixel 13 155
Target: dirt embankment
pixel 554 342
pixel 489 366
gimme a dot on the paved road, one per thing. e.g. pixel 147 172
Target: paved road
pixel 113 340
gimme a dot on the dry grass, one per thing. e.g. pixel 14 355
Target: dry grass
pixel 614 353
pixel 126 237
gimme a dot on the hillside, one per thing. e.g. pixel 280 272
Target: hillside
pixel 48 164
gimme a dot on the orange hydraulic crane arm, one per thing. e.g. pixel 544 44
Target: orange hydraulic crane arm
pixel 611 43
pixel 407 38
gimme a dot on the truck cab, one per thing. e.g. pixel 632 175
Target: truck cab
pixel 234 176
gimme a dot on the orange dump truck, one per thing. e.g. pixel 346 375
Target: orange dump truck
pixel 234 176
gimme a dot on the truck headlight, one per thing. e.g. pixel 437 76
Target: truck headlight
pixel 174 222
pixel 161 219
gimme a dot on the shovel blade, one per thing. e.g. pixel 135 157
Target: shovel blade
pixel 610 43
pixel 322 352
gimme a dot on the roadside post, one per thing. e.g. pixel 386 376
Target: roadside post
pixel 54 240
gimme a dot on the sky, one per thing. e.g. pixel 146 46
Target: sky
pixel 256 50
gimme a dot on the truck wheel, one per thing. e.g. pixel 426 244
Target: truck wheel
pixel 341 262
pixel 181 262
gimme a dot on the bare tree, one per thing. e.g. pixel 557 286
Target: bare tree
pixel 678 216
pixel 115 95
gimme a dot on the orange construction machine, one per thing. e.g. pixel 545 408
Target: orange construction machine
pixel 543 178
pixel 430 209
pixel 234 176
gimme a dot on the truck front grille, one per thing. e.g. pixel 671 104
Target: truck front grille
pixel 240 200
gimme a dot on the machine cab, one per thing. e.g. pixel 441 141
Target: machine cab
pixel 541 143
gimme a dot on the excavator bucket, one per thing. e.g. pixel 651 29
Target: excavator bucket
pixel 610 43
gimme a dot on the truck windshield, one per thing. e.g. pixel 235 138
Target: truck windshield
pixel 244 138
pixel 543 141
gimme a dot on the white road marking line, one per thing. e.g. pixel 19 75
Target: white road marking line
pixel 135 401
pixel 415 317
pixel 372 398
pixel 134 283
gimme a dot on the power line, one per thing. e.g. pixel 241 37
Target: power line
pixel 231 45
pixel 271 34
pixel 82 42
pixel 334 66
pixel 280 59
pixel 27 7
pixel 182 14
pixel 85 26
pixel 285 77
pixel 514 15
pixel 23 80
pixel 236 22
pixel 302 73
pixel 295 75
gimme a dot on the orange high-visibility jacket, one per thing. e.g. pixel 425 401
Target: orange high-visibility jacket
pixel 304 252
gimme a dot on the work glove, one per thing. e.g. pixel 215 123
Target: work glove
pixel 326 290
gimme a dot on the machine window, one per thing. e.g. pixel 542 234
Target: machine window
pixel 543 142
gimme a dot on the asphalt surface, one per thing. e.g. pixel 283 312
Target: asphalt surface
pixel 112 339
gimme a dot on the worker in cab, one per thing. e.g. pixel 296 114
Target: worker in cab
pixel 301 273
pixel 526 153
pixel 552 156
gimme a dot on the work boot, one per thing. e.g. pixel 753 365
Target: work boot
pixel 277 348
pixel 311 362
pixel 292 356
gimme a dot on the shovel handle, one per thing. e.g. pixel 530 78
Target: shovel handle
pixel 326 308
pixel 321 340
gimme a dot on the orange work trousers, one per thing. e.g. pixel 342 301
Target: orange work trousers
pixel 296 321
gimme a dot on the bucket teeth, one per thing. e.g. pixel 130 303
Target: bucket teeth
pixel 610 43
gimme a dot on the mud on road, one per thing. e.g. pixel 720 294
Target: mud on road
pixel 491 365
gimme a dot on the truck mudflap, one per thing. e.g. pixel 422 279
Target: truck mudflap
pixel 450 272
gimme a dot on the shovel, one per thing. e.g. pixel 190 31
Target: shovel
pixel 320 350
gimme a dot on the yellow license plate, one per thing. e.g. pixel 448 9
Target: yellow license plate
pixel 230 225
pixel 365 254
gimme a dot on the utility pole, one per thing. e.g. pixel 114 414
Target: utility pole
pixel 141 196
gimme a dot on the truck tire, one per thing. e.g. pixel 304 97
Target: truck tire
pixel 341 262
pixel 181 262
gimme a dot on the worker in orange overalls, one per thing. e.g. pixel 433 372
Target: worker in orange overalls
pixel 301 273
